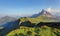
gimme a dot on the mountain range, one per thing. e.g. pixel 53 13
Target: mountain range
pixel 9 24
pixel 44 13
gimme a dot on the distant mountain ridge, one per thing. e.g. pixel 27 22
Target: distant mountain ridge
pixel 6 19
pixel 43 13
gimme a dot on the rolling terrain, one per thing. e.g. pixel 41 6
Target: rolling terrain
pixel 43 24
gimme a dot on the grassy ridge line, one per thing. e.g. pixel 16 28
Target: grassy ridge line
pixel 37 19
pixel 43 31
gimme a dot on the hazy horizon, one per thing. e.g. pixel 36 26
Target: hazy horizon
pixel 27 7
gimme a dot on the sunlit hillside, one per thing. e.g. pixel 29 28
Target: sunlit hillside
pixel 35 31
pixel 37 19
pixel 38 31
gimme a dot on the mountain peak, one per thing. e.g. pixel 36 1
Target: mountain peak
pixel 43 11
pixel 46 14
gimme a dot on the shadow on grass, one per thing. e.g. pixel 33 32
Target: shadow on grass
pixel 10 26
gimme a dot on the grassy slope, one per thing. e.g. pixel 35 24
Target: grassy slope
pixel 37 19
pixel 40 31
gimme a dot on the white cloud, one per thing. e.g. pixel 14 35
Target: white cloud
pixel 49 9
pixel 53 10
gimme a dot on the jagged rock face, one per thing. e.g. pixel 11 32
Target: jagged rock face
pixel 47 14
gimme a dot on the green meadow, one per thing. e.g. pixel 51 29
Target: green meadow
pixel 35 31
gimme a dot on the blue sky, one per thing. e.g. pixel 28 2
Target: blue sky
pixel 26 7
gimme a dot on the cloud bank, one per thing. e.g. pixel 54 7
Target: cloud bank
pixel 53 10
